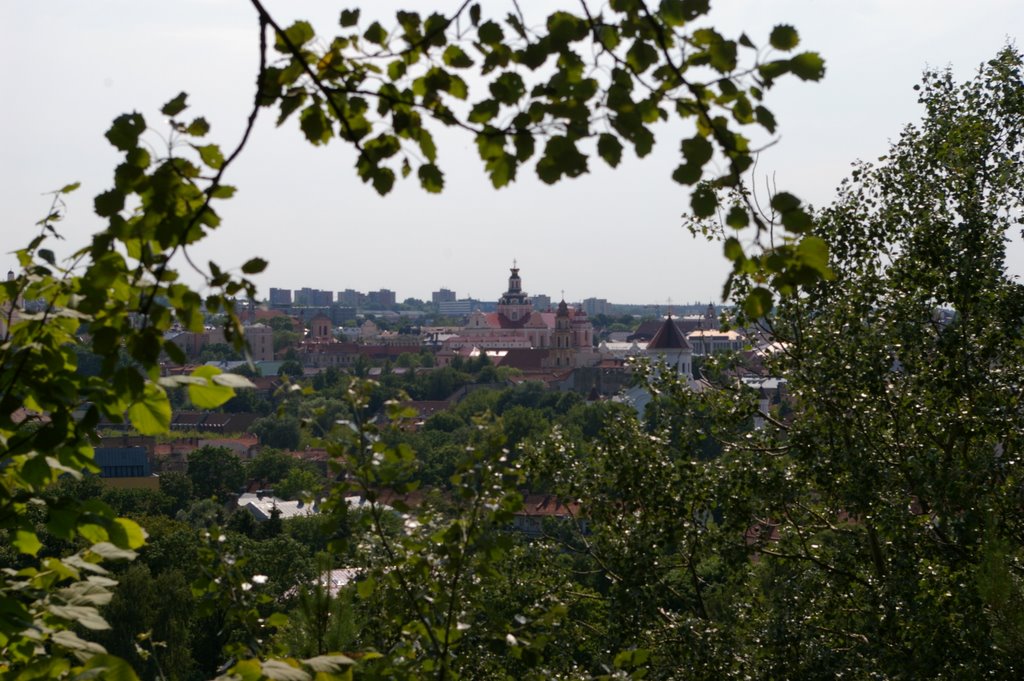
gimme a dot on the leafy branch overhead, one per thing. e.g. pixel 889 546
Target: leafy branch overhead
pixel 552 93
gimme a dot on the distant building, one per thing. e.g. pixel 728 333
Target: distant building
pixel 381 298
pixel 456 307
pixel 442 296
pixel 321 329
pixel 260 339
pixel 122 462
pixel 351 298
pixel 280 296
pixel 542 303
pixel 312 297
pixel 564 337
pixel 709 342
pixel 595 306
pixel 670 346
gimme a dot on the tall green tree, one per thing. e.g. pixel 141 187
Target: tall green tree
pixel 899 491
pixel 215 472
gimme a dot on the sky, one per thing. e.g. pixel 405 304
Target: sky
pixel 71 67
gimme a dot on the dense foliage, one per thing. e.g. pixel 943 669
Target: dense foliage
pixel 870 529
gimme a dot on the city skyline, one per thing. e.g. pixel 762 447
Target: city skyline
pixel 612 234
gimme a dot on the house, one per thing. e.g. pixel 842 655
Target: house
pixel 538 508
pixel 125 467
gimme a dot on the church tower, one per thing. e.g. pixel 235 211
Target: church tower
pixel 562 354
pixel 514 305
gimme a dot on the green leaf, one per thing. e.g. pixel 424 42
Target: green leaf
pixel 101 547
pixel 783 202
pixel 641 55
pixel 68 188
pixel 474 14
pixel 737 218
pixel 69 640
pixel 672 12
pixel 376 34
pixel 365 587
pixel 109 668
pixel 695 8
pixel 564 27
pixel 210 395
pixel 315 124
pixel 349 17
pixel 431 178
pixel 233 381
pixel 109 203
pixel 254 266
pixel 277 620
pixel 697 150
pixel 383 180
pixel 26 542
pixel 279 670
pixel 329 664
pixel 300 33
pixel 501 169
pixel 813 252
pixel 125 131
pixel 175 106
pixel 797 221
pixel 484 111
pixel 247 670
pixel 82 615
pixel 733 249
pixel 211 155
pixel 152 414
pixel 808 66
pixel 127 534
pixel 703 201
pixel 610 149
pixel 456 57
pixel 758 302
pixel 687 174
pixel 765 118
pixel 198 127
pixel 508 88
pixel 784 37
pixel 490 33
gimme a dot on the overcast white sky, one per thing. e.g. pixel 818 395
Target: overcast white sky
pixel 70 67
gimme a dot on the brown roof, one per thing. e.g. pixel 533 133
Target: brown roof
pixel 524 359
pixel 549 506
pixel 669 337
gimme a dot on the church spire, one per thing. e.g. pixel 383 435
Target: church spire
pixel 514 303
pixel 515 284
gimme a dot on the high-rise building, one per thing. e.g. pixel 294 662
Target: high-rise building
pixel 351 298
pixel 280 296
pixel 442 296
pixel 381 298
pixel 312 297
pixel 595 306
